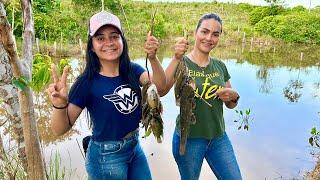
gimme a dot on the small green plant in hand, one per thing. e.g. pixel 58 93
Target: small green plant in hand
pixel 244 116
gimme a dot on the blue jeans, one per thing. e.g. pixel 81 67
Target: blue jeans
pixel 117 160
pixel 217 151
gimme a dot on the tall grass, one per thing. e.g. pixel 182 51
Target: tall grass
pixel 11 168
pixel 56 171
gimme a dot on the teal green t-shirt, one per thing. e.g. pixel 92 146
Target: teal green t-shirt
pixel 209 120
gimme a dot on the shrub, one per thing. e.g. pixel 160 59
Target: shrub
pixel 246 7
pixel 298 27
pixel 258 13
pixel 298 9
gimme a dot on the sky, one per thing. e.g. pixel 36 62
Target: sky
pixel 288 3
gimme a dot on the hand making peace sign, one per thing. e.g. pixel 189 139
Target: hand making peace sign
pixel 58 90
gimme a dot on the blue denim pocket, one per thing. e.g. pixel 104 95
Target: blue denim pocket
pixel 110 148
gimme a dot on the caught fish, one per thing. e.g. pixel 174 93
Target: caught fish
pixel 185 98
pixel 151 111
pixel 186 115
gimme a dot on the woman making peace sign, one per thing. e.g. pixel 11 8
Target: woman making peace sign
pixel 109 88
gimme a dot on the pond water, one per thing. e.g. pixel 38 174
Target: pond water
pixel 284 100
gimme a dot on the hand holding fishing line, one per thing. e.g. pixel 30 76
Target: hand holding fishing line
pixel 58 90
pixel 181 46
pixel 151 46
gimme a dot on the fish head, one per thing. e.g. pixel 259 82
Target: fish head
pixel 153 96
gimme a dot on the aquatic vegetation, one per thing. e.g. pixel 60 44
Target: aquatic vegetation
pixel 244 116
pixel 314 140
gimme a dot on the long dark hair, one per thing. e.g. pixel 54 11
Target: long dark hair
pixel 209 16
pixel 93 66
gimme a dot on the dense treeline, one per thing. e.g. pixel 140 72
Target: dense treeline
pixel 291 25
pixel 57 20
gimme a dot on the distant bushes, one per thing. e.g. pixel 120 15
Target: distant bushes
pixel 246 7
pixel 296 25
pixel 51 26
pixel 159 26
pixel 291 25
pixel 260 12
pixel 299 9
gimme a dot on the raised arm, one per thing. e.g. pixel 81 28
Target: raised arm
pixel 64 114
pixel 158 75
pixel 180 49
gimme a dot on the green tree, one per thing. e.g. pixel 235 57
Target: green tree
pixel 275 2
pixel 112 5
pixel 261 12
pixel 45 6
pixel 21 70
pixel 298 9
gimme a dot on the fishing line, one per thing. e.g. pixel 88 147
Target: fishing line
pixel 151 32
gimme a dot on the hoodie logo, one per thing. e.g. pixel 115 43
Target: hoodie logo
pixel 124 99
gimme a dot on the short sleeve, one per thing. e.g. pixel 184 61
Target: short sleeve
pixel 226 74
pixel 79 91
pixel 137 70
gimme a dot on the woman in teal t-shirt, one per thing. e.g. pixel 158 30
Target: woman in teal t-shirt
pixel 207 137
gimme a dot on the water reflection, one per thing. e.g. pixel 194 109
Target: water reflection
pixel 46 136
pixel 263 77
pixel 293 91
pixel 316 87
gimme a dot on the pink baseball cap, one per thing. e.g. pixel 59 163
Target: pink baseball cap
pixel 103 18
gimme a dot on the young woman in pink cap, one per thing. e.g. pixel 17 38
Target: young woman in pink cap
pixel 109 88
